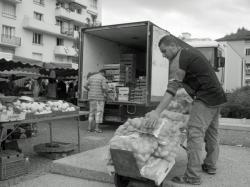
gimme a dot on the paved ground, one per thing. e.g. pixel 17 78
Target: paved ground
pixel 234 161
pixel 53 180
pixel 65 131
pixel 89 167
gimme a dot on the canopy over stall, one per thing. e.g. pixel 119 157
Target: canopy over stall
pixel 18 64
pixel 22 67
pixel 60 70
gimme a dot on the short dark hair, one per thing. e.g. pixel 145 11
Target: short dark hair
pixel 167 40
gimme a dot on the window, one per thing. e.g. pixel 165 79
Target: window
pixel 93 17
pixel 37 38
pixel 8 31
pixel 38 16
pixel 59 22
pixel 74 60
pixel 9 10
pixel 39 2
pixel 76 28
pixel 37 56
pixel 59 59
pixel 59 41
pixel 93 4
pixel 248 52
pixel 79 11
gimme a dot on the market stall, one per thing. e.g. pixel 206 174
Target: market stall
pixel 22 110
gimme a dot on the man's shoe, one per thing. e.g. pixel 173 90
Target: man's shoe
pixel 208 170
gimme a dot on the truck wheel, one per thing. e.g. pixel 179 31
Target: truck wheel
pixel 120 181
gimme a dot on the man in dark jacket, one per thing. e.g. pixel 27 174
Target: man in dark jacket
pixel 191 70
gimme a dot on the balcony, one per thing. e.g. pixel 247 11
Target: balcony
pixel 39 2
pixel 40 26
pixel 69 15
pixel 65 51
pixel 94 24
pixel 32 24
pixel 79 2
pixel 14 1
pixel 69 32
pixel 11 41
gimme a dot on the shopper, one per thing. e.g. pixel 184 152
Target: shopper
pixel 36 87
pixel 51 92
pixel 191 70
pixel 71 93
pixel 11 89
pixel 61 89
pixel 97 88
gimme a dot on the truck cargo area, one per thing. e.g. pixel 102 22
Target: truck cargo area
pixel 133 64
pixel 121 51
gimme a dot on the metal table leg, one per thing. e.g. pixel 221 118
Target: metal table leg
pixel 50 132
pixel 78 133
pixel 1 137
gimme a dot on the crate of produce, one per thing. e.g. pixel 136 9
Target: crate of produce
pixel 12 164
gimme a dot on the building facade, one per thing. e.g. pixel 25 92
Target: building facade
pixel 45 30
pixel 236 48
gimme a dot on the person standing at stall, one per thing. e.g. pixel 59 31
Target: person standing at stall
pixel 97 90
pixel 71 93
pixel 51 92
pixel 35 87
pixel 188 68
pixel 11 87
pixel 61 89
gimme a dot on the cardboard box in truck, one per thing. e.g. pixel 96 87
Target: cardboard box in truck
pixel 135 45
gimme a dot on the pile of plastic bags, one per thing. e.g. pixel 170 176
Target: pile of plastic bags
pixel 181 103
pixel 153 148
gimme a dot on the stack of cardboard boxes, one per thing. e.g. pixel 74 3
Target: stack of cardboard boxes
pixel 115 72
pixel 123 86
pixel 123 93
pixel 138 93
pixel 129 61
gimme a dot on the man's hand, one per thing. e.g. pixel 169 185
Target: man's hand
pixel 152 116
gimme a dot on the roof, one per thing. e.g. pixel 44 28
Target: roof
pixel 241 34
pixel 203 43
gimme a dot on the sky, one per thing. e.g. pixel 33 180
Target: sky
pixel 201 18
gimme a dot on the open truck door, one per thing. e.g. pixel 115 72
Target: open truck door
pixel 159 66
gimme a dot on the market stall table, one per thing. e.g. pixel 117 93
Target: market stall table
pixel 43 119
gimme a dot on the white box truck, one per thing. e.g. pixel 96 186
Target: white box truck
pixel 106 44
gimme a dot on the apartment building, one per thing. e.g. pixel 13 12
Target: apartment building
pixel 45 30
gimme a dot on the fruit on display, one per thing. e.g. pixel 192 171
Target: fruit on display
pixel 60 106
pixel 25 108
pixel 32 107
pixel 43 107
pixel 151 147
pixel 6 109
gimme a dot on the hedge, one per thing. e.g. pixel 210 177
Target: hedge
pixel 238 105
